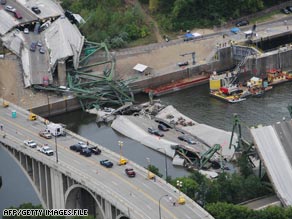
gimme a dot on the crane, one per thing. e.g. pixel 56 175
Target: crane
pixel 193 56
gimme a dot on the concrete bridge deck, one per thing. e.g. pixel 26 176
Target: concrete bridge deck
pixel 133 197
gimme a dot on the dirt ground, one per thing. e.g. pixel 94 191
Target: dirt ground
pixel 12 87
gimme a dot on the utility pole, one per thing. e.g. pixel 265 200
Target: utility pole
pixel 193 56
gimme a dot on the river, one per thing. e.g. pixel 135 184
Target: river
pixel 194 102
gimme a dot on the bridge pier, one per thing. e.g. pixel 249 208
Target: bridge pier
pixel 57 190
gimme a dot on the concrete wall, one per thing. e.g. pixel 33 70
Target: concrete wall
pixel 225 62
pixel 281 59
pixel 54 108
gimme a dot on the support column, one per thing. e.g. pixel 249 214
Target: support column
pixel 62 73
pixel 57 193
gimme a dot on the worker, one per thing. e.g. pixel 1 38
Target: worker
pixel 1 127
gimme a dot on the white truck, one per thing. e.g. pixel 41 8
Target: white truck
pixel 55 129
pixel 45 149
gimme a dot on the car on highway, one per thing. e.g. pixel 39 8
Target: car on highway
pixel 33 46
pixel 3 2
pixel 85 152
pixel 163 127
pixel 242 23
pixel 130 172
pixel 106 163
pixel 26 30
pixel 155 132
pixel 78 147
pixel 47 150
pixel 95 150
pixel 42 50
pixel 30 143
pixel 17 14
pixel 9 8
pixel 36 9
pixel 45 134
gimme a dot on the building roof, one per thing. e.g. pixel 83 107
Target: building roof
pixel 274 144
pixel 140 67
pixel 63 40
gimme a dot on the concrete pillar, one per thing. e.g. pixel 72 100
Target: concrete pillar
pixel 57 193
pixel 108 210
pixel 62 72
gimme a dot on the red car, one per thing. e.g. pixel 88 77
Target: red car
pixel 130 172
pixel 17 15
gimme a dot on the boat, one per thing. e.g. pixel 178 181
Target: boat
pixel 276 76
pixel 178 85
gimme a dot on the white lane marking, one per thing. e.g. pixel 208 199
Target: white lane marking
pixel 113 182
pixel 149 207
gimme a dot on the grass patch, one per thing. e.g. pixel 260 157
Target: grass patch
pixel 264 18
pixel 143 41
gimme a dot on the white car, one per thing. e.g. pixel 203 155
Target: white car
pixel 30 143
pixel 10 8
pixel 46 150
pixel 26 30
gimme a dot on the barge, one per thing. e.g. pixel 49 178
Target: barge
pixel 178 85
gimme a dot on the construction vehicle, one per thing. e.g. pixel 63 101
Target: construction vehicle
pixel 5 103
pixel 122 161
pixel 32 117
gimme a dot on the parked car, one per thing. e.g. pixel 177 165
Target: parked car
pixel 85 152
pixel 155 132
pixel 33 46
pixel 95 150
pixel 45 134
pixel 285 11
pixel 26 30
pixel 180 64
pixel 106 163
pixel 3 2
pixel 17 14
pixel 162 127
pixel 78 147
pixel 289 8
pixel 187 139
pixel 130 172
pixel 242 23
pixel 40 44
pixel 9 8
pixel 30 143
pixel 36 9
pixel 45 149
pixel 42 50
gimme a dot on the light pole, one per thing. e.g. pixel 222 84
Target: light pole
pixel 149 174
pixel 122 160
pixel 165 162
pixel 159 205
pixel 181 199
pixel 57 159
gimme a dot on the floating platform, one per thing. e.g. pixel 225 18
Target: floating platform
pixel 227 98
pixel 178 85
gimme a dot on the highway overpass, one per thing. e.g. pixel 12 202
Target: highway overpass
pixel 76 181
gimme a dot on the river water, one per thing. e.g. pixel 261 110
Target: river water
pixel 193 102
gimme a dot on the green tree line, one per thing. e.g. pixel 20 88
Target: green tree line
pixel 109 21
pixel 174 15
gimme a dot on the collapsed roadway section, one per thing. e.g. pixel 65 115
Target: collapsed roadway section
pixel 50 30
pixel 274 145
